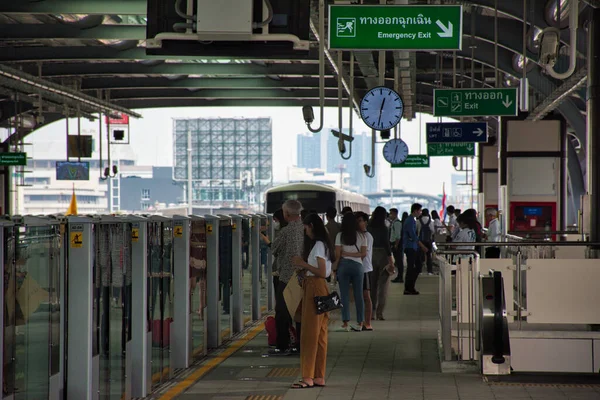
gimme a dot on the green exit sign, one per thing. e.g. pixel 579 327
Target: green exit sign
pixel 10 159
pixel 414 161
pixel 402 27
pixel 450 149
pixel 474 102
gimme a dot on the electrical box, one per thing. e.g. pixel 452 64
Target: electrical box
pixel 224 17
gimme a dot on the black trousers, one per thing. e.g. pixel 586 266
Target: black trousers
pixel 283 319
pixel 492 252
pixel 426 257
pixel 398 260
pixel 412 269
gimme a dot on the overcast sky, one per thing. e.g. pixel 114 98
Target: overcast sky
pixel 151 138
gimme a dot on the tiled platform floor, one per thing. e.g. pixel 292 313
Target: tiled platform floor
pixel 398 360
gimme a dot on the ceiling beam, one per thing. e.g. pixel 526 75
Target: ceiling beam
pixel 100 7
pixel 204 83
pixel 216 93
pixel 133 68
pixel 65 31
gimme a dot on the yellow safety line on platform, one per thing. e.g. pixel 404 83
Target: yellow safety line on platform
pixel 215 361
pixel 264 397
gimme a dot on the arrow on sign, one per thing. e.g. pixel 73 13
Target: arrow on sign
pixel 507 102
pixel 478 132
pixel 446 31
pixel 470 147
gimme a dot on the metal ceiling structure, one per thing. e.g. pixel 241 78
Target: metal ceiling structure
pixel 97 48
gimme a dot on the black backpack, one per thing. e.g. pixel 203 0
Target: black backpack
pixel 426 233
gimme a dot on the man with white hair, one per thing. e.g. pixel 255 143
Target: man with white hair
pixel 493 233
pixel 288 244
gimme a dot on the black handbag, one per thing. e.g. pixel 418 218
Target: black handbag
pixel 328 303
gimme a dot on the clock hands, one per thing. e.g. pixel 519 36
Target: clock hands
pixel 395 152
pixel 381 112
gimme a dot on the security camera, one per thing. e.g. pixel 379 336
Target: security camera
pixel 309 115
pixel 549 46
pixel 341 146
pixel 367 169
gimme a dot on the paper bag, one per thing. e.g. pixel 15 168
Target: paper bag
pixel 30 296
pixel 292 294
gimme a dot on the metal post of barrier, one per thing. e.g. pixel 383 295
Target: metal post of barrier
pixel 83 365
pixel 141 336
pixel 255 240
pixel 3 306
pixel 237 301
pixel 182 340
pixel 212 315
pixel 270 287
pixel 519 288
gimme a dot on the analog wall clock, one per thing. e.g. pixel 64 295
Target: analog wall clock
pixel 395 151
pixel 381 108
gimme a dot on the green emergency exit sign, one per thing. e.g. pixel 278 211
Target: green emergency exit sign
pixel 12 159
pixel 414 161
pixel 391 27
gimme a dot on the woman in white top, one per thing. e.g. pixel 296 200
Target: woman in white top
pixel 316 265
pixel 363 220
pixel 350 249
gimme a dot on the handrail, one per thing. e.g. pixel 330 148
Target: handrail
pixel 498 354
pixel 524 243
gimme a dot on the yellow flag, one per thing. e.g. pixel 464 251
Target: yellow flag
pixel 72 210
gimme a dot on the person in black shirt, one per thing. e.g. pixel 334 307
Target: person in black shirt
pixel 383 263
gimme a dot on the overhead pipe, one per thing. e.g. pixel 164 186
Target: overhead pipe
pixel 370 171
pixel 321 73
pixel 573 22
pixel 350 107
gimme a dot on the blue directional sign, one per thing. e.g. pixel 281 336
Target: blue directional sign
pixel 456 132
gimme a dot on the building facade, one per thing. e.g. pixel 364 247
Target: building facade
pixel 232 158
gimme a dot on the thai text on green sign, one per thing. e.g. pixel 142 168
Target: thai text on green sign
pixel 450 149
pixel 381 27
pixel 414 161
pixel 13 159
pixel 474 102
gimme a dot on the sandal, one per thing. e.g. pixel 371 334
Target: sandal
pixel 364 328
pixel 301 385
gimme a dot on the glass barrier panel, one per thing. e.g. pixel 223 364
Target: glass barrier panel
pixel 198 284
pixel 246 271
pixel 33 323
pixel 265 279
pixel 225 275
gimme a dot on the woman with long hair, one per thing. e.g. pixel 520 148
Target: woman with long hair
pixel 383 263
pixel 315 264
pixel 350 249
pixel 363 221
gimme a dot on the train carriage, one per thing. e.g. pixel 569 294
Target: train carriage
pixel 314 196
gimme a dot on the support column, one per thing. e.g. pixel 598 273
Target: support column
pixel 269 277
pixel 182 339
pixel 255 242
pixel 237 303
pixel 593 124
pixel 83 365
pixel 141 337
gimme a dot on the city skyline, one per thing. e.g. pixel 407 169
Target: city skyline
pixel 151 141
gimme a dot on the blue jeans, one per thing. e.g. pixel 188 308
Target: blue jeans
pixel 351 272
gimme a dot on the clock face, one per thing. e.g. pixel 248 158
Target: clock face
pixel 381 108
pixel 395 151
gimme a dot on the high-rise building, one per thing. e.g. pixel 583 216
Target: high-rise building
pixel 310 150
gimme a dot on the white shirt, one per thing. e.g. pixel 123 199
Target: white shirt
pixel 368 260
pixel 319 251
pixel 360 242
pixel 425 221
pixel 494 231
pixel 465 235
pixel 452 222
